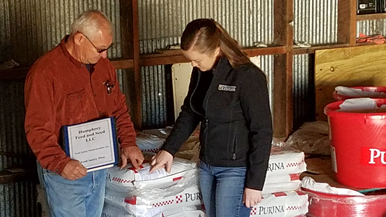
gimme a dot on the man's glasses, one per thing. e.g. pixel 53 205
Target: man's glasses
pixel 97 49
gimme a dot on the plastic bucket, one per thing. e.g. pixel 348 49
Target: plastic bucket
pixel 369 89
pixel 358 146
pixel 328 205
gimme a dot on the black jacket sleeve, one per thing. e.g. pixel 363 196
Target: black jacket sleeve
pixel 255 105
pixel 186 122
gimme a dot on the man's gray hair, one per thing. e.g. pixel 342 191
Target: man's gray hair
pixel 90 22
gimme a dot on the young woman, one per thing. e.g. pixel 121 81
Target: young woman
pixel 228 95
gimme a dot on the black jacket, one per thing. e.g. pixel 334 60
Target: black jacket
pixel 236 126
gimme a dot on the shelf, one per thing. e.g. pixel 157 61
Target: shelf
pixel 14 73
pixel 164 57
pixel 122 63
pixel 167 57
pixel 256 51
pixel 311 50
pixel 361 17
pixel 366 44
pixel 12 177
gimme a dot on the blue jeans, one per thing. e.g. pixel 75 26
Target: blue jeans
pixel 222 190
pixel 83 197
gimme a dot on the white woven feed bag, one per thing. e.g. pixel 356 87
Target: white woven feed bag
pixel 270 188
pixel 282 204
pixel 281 163
pixel 140 205
pixel 113 211
pixel 148 142
pixel 133 181
pixel 282 178
pixel 194 213
pixel 187 211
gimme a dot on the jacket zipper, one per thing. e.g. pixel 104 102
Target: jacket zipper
pixel 234 148
pixel 190 100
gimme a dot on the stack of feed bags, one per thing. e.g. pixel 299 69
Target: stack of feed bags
pixel 282 196
pixel 150 141
pixel 281 193
pixel 136 192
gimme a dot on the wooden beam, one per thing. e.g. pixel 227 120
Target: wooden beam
pixel 7 177
pixel 126 24
pixel 129 85
pixel 379 16
pixel 137 114
pixel 123 63
pixel 311 50
pixel 347 21
pixel 282 94
pixel 13 74
pixel 251 52
pixel 168 57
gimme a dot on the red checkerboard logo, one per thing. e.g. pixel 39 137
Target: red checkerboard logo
pixel 163 203
pixel 179 199
pixel 253 211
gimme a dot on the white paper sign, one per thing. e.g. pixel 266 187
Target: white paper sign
pixel 92 143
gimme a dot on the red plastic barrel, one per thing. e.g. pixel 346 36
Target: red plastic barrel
pixel 358 146
pixel 337 96
pixel 328 205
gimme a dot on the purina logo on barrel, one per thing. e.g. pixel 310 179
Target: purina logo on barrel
pixel 373 156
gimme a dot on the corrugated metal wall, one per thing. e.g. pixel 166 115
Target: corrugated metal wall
pixel 154 114
pixel 28 29
pixel 371 27
pixel 303 93
pixel 161 24
pixel 13 146
pixel 315 22
pixel 266 65
pixel 18 198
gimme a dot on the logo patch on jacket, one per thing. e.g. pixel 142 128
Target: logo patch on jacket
pixel 224 87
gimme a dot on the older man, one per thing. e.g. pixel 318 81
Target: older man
pixel 75 83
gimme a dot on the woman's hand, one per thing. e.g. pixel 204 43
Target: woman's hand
pixel 251 197
pixel 162 159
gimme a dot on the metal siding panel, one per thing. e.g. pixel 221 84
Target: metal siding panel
pixel 13 146
pixel 267 66
pixel 44 24
pixel 371 27
pixel 161 23
pixel 315 22
pixel 303 90
pixel 247 21
pixel 153 97
pixel 18 200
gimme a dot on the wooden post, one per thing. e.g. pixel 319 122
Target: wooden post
pixel 130 50
pixel 282 96
pixel 347 22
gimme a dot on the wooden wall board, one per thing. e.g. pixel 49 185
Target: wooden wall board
pixel 352 66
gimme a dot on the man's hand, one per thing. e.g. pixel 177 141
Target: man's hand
pixel 251 197
pixel 74 170
pixel 132 154
pixel 161 159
